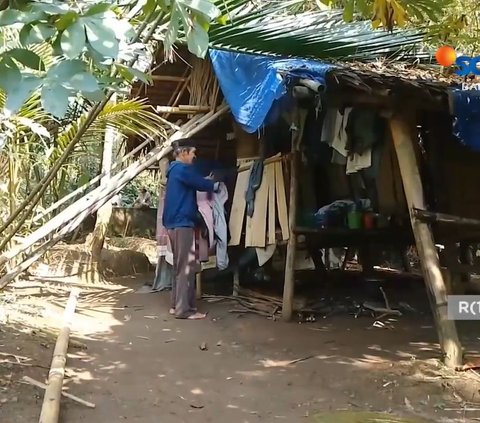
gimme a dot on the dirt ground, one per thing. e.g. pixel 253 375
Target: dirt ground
pixel 138 364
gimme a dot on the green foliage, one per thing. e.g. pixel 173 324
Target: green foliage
pixel 92 41
pixel 147 179
pixel 451 22
pixel 321 34
pixel 34 142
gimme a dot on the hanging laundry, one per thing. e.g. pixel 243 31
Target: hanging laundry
pixel 340 139
pixel 164 271
pixel 253 184
pixel 220 225
pixel 204 204
pixel 329 125
pixel 358 162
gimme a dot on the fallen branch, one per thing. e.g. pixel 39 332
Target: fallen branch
pixel 41 385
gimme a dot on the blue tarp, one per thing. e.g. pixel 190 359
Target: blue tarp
pixel 252 84
pixel 466 117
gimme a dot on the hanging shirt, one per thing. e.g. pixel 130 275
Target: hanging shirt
pixel 220 225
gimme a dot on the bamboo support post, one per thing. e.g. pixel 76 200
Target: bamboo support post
pixel 289 282
pixel 236 283
pixel 51 401
pixel 412 183
pixel 198 285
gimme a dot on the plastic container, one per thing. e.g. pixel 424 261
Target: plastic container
pixel 354 220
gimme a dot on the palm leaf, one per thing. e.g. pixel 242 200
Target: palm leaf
pixel 320 35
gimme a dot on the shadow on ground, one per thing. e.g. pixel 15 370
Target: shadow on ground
pixel 141 365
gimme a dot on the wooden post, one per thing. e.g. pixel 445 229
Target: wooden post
pixel 51 401
pixel 412 184
pixel 198 280
pixel 236 282
pixel 289 283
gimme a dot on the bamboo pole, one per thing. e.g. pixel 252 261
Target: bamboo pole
pixel 289 282
pixel 38 252
pixel 51 400
pixel 182 109
pixel 198 285
pixel 412 183
pixel 168 78
pixel 76 212
pixel 434 217
pixel 298 123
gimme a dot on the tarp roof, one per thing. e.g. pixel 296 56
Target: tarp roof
pixel 251 84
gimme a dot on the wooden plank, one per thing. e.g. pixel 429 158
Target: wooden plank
pixel 412 183
pixel 281 200
pixel 271 204
pixel 237 213
pixel 246 164
pixel 258 227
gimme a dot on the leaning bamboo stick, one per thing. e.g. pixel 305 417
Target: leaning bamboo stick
pixel 51 400
pixel 41 385
pixel 99 196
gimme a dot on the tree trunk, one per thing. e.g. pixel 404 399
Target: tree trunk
pixel 95 242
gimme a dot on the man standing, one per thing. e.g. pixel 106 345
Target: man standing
pixel 180 219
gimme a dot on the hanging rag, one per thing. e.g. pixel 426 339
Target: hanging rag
pixel 254 183
pixel 206 237
pixel 220 197
pixel 358 162
pixel 329 125
pixel 340 138
pixel 164 271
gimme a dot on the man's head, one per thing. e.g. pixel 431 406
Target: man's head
pixel 143 190
pixel 184 151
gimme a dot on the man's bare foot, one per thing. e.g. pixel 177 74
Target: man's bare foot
pixel 197 316
pixel 172 311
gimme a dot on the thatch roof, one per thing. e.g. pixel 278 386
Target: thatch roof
pixel 398 80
